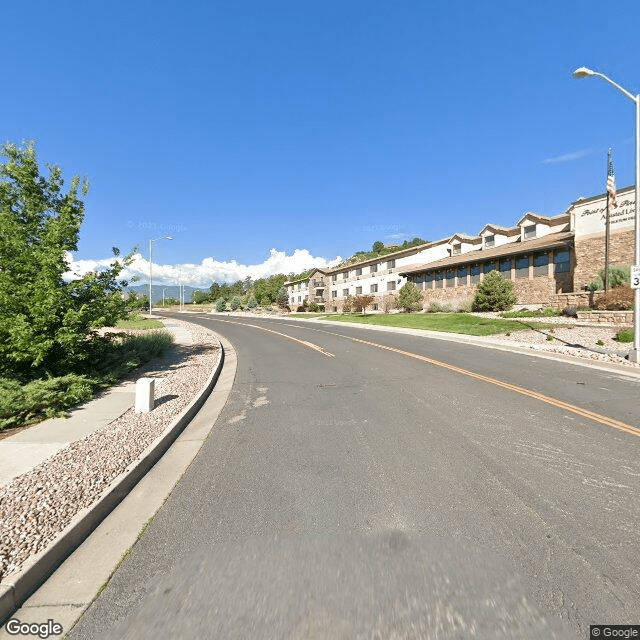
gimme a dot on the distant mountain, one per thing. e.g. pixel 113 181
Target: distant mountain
pixel 171 291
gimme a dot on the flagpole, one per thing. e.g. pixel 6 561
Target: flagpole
pixel 607 232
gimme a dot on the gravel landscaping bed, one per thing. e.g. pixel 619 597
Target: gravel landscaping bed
pixel 568 338
pixel 36 506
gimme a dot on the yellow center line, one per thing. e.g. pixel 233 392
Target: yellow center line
pixel 310 345
pixel 554 402
pixel 560 404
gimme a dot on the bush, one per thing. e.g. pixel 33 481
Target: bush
pixel 434 307
pixel 409 298
pixel 495 293
pixel 347 304
pixel 252 303
pixel 301 308
pixel 618 299
pixel 464 306
pixel 235 303
pixel 314 307
pixel 618 277
pixel 221 305
pixel 625 335
pixel 114 356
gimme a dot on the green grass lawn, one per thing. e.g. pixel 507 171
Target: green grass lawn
pixel 449 322
pixel 139 323
pixel 543 313
pixel 307 315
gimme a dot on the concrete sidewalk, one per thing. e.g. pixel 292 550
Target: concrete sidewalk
pixel 22 452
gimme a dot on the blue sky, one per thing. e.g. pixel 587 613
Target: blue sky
pixel 261 135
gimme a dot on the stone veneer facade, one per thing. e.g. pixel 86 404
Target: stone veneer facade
pixel 590 255
pixel 578 233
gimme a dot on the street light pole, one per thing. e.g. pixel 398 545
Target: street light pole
pixel 151 271
pixel 583 72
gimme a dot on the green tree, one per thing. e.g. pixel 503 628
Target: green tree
pixel 235 303
pixel 494 293
pixel 221 305
pixel 200 297
pixel 409 298
pixel 45 322
pixel 252 303
pixel 378 246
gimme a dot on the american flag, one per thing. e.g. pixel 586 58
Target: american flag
pixel 611 183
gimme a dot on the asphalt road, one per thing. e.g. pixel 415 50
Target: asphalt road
pixel 358 492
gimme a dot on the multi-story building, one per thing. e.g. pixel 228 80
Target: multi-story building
pixel 542 256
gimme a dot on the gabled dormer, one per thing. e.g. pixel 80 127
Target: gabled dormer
pixel 461 243
pixel 494 235
pixel 534 226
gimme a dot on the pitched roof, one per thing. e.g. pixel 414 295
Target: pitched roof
pixel 549 241
pixel 507 231
pixel 466 238
pixel 316 270
pixel 387 256
pixel 563 217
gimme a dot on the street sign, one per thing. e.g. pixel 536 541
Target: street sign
pixel 635 276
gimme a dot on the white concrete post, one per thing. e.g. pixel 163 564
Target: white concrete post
pixel 145 392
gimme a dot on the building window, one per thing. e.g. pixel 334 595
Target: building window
pixel 530 231
pixel 562 260
pixel 334 277
pixel 450 277
pixel 345 292
pixel 335 309
pixel 299 298
pixel 373 268
pixel 439 276
pixel 457 249
pixel 541 264
pixel 299 286
pixel 505 267
pixel 429 277
pixel 359 271
pixel 358 291
pixel 490 241
pixel 488 267
pixel 391 285
pixel 420 278
pixel 475 273
pixel 462 276
pixel 373 288
pixel 374 306
pixel 334 294
pixel 345 275
pixel 391 264
pixel 522 266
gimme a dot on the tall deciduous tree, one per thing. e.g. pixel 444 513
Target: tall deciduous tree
pixel 45 321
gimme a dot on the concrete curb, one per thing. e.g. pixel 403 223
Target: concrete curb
pixel 618 369
pixel 17 588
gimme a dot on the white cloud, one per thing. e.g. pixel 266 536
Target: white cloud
pixel 568 157
pixel 208 271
